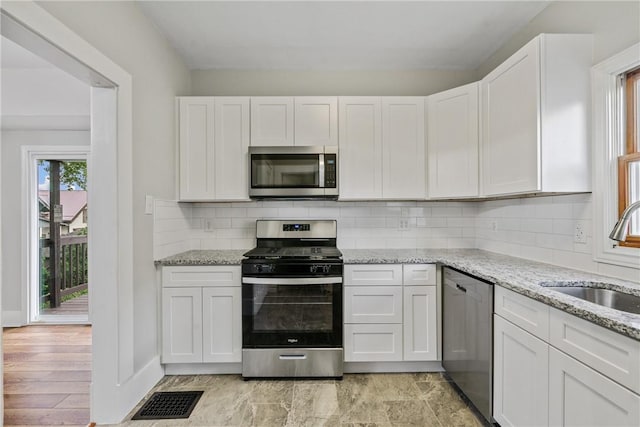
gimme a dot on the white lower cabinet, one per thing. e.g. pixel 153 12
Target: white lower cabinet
pixel 387 318
pixel 181 325
pixel 580 396
pixel 521 376
pixel 536 383
pixel 420 319
pixel 201 323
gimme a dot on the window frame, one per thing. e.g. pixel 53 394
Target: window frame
pixel 609 144
pixel 631 147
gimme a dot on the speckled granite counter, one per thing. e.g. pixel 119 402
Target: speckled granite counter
pixel 520 275
pixel 204 257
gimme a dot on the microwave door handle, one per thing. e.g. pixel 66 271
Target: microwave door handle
pixel 321 171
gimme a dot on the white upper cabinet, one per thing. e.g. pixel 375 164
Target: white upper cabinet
pixel 316 120
pixel 231 148
pixel 535 118
pixel 288 121
pixel 197 155
pixel 214 140
pixel 271 121
pixel 382 148
pixel 403 148
pixel 360 147
pixel 452 142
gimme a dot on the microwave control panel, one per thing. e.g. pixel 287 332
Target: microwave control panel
pixel 330 170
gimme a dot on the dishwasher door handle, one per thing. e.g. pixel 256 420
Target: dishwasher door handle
pixel 461 288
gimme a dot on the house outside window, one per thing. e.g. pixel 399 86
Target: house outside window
pixel 616 154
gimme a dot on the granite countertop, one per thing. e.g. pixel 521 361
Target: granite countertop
pixel 520 275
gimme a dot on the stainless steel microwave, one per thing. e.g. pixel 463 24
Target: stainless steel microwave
pixel 293 172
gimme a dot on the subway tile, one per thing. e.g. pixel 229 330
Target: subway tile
pixel 536 253
pixel 324 212
pixel 293 213
pixel 576 260
pixel 370 222
pixel 215 243
pixel 431 222
pixel 243 243
pixel 537 225
pixel 262 212
pixel 585 248
pixel 582 211
pixel 563 226
pixel 277 204
pixel 446 211
pixel 431 243
pixel 386 211
pixel 400 243
pixel 354 212
pixel 370 243
pixel 243 223
pixel 455 243
pixel 230 212
pixel 461 222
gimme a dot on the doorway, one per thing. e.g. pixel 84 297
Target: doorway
pixel 59 289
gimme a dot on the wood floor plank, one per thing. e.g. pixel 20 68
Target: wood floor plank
pixel 21 401
pixel 47 374
pixel 36 416
pixel 22 376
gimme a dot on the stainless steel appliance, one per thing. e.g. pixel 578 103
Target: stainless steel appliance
pixel 467 337
pixel 293 172
pixel 292 301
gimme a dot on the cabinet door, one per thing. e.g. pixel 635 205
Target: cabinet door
pixel 510 112
pixel 580 396
pixel 231 148
pixel 316 120
pixel 271 121
pixel 452 142
pixel 520 376
pixel 420 323
pixel 222 324
pixel 403 148
pixel 373 304
pixel 181 325
pixel 373 343
pixel 360 147
pixel 197 156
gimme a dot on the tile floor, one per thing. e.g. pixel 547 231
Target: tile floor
pixel 371 400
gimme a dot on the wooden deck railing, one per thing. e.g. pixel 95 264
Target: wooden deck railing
pixel 72 268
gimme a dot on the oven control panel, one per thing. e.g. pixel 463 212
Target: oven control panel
pixel 296 227
pixel 320 268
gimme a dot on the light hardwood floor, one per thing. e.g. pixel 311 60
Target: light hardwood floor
pixel 47 371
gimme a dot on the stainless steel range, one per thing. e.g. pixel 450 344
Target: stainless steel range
pixel 292 301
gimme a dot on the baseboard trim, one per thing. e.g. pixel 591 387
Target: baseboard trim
pixel 365 367
pixel 12 318
pixel 127 394
pixel 202 368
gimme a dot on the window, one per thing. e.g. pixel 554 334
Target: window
pixel 629 162
pixel 616 156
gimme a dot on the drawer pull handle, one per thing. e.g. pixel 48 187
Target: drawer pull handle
pixel 293 356
pixel 461 288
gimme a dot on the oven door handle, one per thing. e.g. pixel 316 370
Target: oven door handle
pixel 292 281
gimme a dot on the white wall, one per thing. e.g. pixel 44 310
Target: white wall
pixel 12 236
pixel 120 31
pixel 615 26
pixel 363 82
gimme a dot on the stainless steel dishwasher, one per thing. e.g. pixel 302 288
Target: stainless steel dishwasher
pixel 467 337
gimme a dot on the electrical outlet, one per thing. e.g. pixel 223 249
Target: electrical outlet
pixel 403 224
pixel 208 225
pixel 579 232
pixel 494 226
pixel 148 205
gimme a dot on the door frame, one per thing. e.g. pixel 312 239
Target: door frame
pixel 116 382
pixel 30 223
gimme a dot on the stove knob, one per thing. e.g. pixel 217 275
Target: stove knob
pixel 259 268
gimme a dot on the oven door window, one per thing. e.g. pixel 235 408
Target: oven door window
pixel 285 171
pixel 284 308
pixel 292 315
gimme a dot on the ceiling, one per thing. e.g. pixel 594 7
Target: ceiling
pixel 338 35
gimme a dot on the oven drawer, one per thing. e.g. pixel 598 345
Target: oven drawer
pixel 373 304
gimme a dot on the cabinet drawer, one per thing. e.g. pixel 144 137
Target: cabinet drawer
pixel 373 274
pixel 228 275
pixel 419 274
pixel 530 315
pixel 374 304
pixel 608 352
pixel 372 343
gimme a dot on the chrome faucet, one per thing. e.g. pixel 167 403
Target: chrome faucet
pixel 619 231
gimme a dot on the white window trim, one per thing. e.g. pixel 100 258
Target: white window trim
pixel 608 144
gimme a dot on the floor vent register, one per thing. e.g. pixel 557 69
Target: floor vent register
pixel 168 405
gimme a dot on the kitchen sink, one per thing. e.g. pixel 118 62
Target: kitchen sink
pixel 599 295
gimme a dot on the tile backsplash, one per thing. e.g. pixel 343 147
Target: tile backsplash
pixel 537 228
